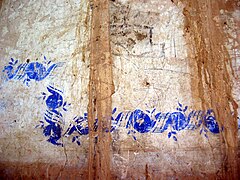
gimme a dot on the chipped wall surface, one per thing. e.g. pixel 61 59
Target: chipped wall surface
pixel 166 118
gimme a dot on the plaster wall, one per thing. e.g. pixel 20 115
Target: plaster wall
pixel 159 127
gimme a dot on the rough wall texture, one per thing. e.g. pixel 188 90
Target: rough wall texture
pixel 172 113
pixel 214 68
pixel 101 89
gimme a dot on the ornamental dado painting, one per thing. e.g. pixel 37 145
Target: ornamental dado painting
pixel 133 121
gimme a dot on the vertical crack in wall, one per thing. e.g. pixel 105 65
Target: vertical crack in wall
pixel 213 68
pixel 1 2
pixel 101 89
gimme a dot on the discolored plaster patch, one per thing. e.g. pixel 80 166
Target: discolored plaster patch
pixel 213 66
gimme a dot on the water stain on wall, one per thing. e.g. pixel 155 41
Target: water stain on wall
pixel 101 89
pixel 132 159
pixel 212 64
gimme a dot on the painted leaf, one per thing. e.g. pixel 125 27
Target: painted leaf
pixel 180 104
pixel 186 107
pixel 153 110
pixel 174 137
pixel 169 134
pixel 73 139
pixel 114 110
pixel 179 109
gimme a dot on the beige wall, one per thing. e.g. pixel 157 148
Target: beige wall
pixel 151 67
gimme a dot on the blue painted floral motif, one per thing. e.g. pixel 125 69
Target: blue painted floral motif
pixel 79 126
pixel 29 71
pixel 116 119
pixel 53 118
pixel 210 122
pixel 140 121
pixel 137 121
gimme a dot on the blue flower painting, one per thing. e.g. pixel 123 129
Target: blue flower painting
pixel 136 121
pixel 29 70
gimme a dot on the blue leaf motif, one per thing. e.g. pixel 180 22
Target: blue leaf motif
pixel 114 110
pixel 169 134
pixel 180 104
pixel 73 139
pixel 174 137
pixel 179 109
pixel 186 107
pixel 153 110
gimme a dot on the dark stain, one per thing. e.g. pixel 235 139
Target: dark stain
pixel 140 36
pixel 146 83
pixel 131 42
pixel 150 36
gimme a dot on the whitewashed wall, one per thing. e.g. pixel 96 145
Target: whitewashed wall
pixel 151 71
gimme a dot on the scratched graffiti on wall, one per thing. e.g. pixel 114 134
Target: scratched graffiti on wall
pixel 29 70
pixel 136 121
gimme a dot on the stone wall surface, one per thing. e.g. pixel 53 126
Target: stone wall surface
pixel 165 122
